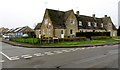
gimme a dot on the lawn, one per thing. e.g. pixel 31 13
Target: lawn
pixel 118 37
pixel 82 42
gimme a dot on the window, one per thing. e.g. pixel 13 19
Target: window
pixel 71 31
pixel 62 31
pixel 110 24
pixel 43 31
pixel 89 24
pixel 80 23
pixel 71 21
pixel 95 24
pixel 101 24
pixel 46 21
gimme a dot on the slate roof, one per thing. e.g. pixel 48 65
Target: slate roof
pixel 57 18
pixel 85 19
pixel 20 29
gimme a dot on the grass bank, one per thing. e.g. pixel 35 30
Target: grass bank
pixel 82 42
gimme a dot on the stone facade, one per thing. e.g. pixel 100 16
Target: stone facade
pixel 62 24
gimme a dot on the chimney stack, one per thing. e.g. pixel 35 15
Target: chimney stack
pixel 93 15
pixel 78 13
pixel 105 15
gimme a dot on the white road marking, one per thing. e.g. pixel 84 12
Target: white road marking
pixel 73 49
pixel 39 54
pixel 48 53
pixel 26 56
pixel 78 48
pixel 1 61
pixel 83 48
pixel 15 58
pixel 5 55
pixel 66 50
pixel 57 51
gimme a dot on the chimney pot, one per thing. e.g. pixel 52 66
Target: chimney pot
pixel 78 13
pixel 93 15
pixel 105 15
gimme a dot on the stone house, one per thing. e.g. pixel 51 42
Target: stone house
pixel 63 24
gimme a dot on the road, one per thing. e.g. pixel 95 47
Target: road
pixel 91 57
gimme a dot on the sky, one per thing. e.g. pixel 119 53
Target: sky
pixel 18 13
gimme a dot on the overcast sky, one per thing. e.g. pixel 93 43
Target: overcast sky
pixel 17 13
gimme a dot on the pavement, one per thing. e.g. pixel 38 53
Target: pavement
pixel 58 46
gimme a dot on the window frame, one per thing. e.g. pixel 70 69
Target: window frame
pixel 95 24
pixel 80 23
pixel 89 24
pixel 71 32
pixel 102 25
pixel 46 21
pixel 72 21
pixel 62 31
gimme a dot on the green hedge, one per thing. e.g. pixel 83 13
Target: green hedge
pixel 26 40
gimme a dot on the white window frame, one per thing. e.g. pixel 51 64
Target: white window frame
pixel 62 30
pixel 102 25
pixel 46 21
pixel 72 31
pixel 43 31
pixel 80 23
pixel 110 24
pixel 95 24
pixel 72 21
pixel 89 23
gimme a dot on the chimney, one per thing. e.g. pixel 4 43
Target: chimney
pixel 93 15
pixel 105 15
pixel 78 13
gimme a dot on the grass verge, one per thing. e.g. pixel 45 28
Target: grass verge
pixel 82 42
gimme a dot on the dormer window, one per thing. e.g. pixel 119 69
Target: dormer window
pixel 46 21
pixel 89 24
pixel 72 21
pixel 95 24
pixel 101 24
pixel 80 23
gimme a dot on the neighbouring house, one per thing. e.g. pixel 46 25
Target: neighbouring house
pixel 37 30
pixel 3 31
pixel 63 24
pixel 20 31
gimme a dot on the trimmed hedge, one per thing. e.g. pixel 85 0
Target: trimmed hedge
pixel 89 34
pixel 26 40
pixel 99 37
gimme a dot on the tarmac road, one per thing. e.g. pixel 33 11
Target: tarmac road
pixel 91 57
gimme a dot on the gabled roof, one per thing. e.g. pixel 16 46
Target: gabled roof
pixel 38 26
pixel 85 19
pixel 26 29
pixel 20 29
pixel 57 18
pixel 108 20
